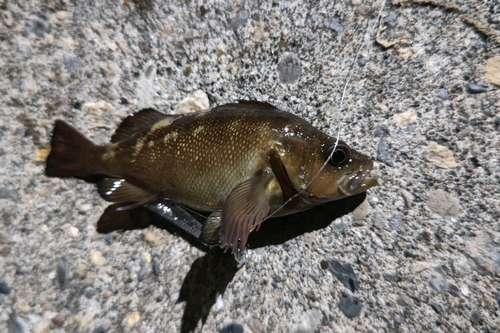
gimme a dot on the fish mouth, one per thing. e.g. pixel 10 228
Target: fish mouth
pixel 359 181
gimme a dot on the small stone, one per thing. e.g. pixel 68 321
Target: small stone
pixel 407 197
pixel 58 320
pixel 381 131
pixel 14 326
pixel 41 327
pixel 437 307
pixel 350 306
pixel 260 34
pixel 344 272
pixel 453 290
pixel 96 108
pixel 152 239
pixel 62 273
pixel 361 211
pixel 289 69
pixel 425 236
pixel 492 71
pixel 133 319
pixel 97 258
pixel 420 266
pixel 383 154
pixel 395 221
pixel 62 15
pixel 73 232
pixel 7 18
pixel 443 203
pixel 256 325
pixel 390 277
pixel 473 88
pixel 195 102
pixel 440 156
pixel 239 20
pixel 391 19
pixel 443 94
pixel 406 118
pixel 232 328
pixel 439 284
pixel 405 300
pixel 5 288
pixel 334 24
pixel 484 249
pixel 84 208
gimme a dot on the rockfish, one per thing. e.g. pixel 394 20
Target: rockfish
pixel 244 162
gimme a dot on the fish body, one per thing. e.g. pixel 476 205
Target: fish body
pixel 244 160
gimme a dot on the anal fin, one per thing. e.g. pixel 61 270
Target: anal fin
pixel 121 191
pixel 210 233
pixel 244 210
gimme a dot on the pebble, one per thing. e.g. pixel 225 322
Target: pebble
pixel 425 236
pixel 152 239
pixel 7 18
pixel 132 319
pixel 195 102
pixel 439 284
pixel 5 288
pixel 381 131
pixel 420 266
pixel 14 326
pixel 58 320
pixel 96 108
pixel 62 273
pixel 73 232
pixel 256 325
pixel 361 211
pixel 405 300
pixel 485 251
pixel 350 306
pixel 406 118
pixel 473 88
pixel 492 70
pixel 232 328
pixel 443 203
pixel 439 156
pixel 334 24
pixel 97 258
pixel 41 327
pixel 289 69
pixel 239 20
pixel 344 272
pixel 383 154
pixel 443 94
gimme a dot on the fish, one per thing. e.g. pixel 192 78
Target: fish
pixel 242 162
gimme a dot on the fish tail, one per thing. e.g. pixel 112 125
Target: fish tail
pixel 72 154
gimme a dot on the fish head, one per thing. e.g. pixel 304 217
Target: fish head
pixel 329 170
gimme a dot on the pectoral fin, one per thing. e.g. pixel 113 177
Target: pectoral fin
pixel 243 211
pixel 121 191
pixel 281 174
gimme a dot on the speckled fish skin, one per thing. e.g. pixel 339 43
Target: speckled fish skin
pixel 247 154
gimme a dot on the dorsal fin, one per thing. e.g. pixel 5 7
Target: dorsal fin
pixel 248 105
pixel 138 122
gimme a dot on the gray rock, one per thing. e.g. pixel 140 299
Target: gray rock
pixel 443 94
pixel 443 203
pixel 334 24
pixel 436 307
pixel 381 131
pixel 383 154
pixel 439 284
pixel 484 249
pixel 239 20
pixel 14 326
pixel 5 288
pixel 473 88
pixel 289 69
pixel 62 270
pixel 344 272
pixel 350 306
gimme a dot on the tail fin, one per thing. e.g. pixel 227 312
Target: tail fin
pixel 72 154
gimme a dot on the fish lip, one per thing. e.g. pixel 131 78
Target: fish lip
pixel 360 180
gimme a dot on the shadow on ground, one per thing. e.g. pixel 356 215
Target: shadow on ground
pixel 210 275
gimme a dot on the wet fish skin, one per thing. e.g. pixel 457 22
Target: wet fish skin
pixel 244 159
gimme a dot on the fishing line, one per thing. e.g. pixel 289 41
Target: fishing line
pixel 351 72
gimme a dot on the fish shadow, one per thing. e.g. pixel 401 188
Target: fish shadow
pixel 210 275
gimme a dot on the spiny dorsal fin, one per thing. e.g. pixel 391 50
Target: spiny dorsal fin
pixel 138 122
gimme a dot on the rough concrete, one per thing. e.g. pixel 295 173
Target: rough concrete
pixel 426 248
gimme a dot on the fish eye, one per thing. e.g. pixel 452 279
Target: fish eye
pixel 339 156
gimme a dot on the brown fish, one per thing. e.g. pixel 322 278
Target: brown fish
pixel 241 161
